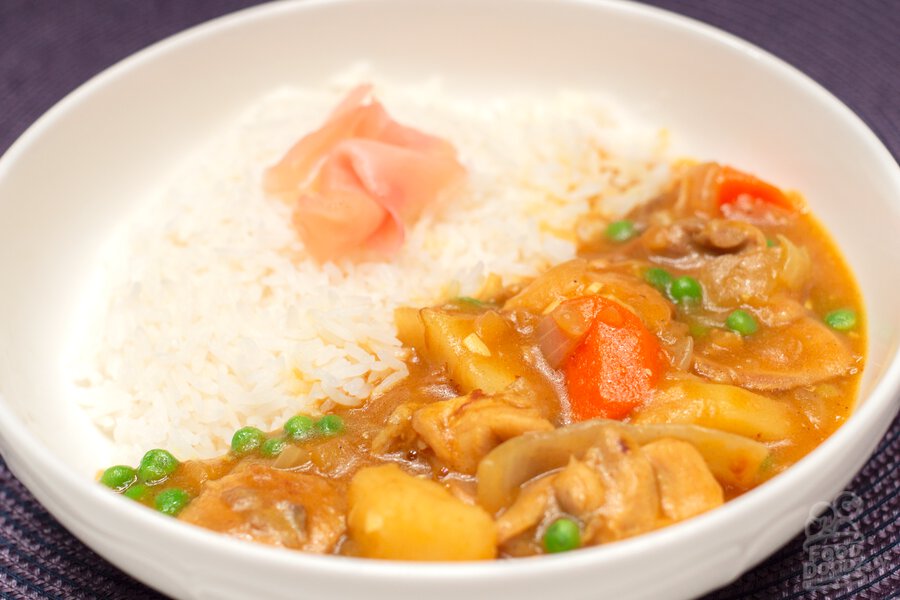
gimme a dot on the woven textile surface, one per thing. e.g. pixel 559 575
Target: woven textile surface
pixel 49 47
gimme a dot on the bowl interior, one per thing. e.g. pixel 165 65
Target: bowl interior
pixel 85 166
pixel 73 178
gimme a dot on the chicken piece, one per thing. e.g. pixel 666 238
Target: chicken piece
pixel 535 501
pixel 631 503
pixel 578 489
pixel 686 486
pixel 398 433
pixel 618 490
pixel 463 430
pixel 280 508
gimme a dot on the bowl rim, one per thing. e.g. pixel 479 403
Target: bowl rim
pixel 881 403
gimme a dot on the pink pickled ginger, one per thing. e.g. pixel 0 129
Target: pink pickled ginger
pixel 359 180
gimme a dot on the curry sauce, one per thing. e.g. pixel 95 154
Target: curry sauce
pixel 695 348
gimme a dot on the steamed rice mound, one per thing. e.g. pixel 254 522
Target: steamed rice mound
pixel 213 316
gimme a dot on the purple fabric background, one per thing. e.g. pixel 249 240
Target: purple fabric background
pixel 49 47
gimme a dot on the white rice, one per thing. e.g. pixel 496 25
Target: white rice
pixel 213 316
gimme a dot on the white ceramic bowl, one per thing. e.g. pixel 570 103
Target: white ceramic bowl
pixel 85 164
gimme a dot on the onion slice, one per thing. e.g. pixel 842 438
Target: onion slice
pixel 291 458
pixel 555 344
pixel 560 332
pixel 795 264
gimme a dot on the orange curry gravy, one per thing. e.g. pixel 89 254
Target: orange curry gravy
pixel 742 331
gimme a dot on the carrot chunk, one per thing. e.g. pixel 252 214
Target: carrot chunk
pixel 616 365
pixel 735 186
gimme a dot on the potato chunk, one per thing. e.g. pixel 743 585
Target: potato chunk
pixel 723 407
pixel 473 362
pixel 396 516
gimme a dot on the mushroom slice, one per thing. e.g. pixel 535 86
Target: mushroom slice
pixel 801 353
pixel 734 460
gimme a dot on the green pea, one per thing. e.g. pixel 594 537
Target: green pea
pixel 137 492
pixel 247 439
pixel 843 319
pixel 299 427
pixel 272 447
pixel 658 278
pixel 742 322
pixel 698 330
pixel 686 288
pixel 621 231
pixel 771 243
pixel 470 301
pixel 156 465
pixel 118 477
pixel 561 536
pixel 171 501
pixel 330 425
